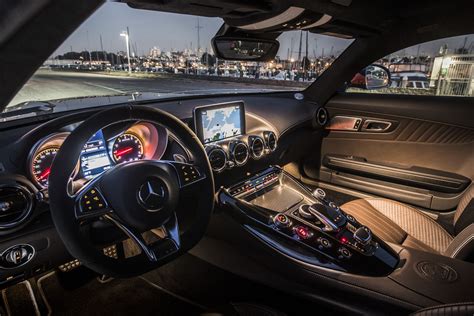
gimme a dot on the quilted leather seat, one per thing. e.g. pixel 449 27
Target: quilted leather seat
pixel 401 224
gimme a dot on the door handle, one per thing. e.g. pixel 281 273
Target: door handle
pixel 375 126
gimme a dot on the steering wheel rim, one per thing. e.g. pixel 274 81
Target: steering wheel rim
pixel 67 210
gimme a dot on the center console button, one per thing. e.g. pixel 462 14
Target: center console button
pixel 334 206
pixel 303 232
pixel 281 220
pixel 351 218
pixel 344 253
pixel 323 243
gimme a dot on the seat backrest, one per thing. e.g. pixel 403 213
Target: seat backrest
pixel 457 309
pixel 464 215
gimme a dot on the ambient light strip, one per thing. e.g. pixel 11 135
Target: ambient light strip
pixel 323 20
pixel 288 15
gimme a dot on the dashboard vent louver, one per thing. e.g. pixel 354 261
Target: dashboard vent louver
pixel 15 206
pixel 270 140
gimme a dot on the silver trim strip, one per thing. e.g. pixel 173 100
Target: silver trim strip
pixel 343 123
pixel 289 14
pixel 375 130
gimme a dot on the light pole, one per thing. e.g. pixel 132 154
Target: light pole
pixel 127 40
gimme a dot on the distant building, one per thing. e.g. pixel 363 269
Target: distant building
pixel 453 75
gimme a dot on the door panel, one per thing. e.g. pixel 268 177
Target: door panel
pixel 430 142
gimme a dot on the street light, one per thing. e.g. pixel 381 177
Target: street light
pixel 125 34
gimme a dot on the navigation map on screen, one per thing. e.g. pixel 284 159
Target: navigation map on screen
pixel 221 123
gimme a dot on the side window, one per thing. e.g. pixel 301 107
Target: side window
pixel 442 67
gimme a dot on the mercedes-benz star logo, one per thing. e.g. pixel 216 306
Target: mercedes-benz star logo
pixel 152 195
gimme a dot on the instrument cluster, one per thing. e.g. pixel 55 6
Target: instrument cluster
pixel 102 151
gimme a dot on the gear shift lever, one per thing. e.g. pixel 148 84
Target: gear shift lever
pixel 331 218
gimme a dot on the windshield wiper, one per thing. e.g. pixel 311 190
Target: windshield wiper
pixel 29 107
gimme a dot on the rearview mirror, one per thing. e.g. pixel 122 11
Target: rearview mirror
pixel 371 77
pixel 248 49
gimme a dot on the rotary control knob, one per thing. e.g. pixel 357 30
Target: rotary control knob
pixel 363 235
pixel 319 194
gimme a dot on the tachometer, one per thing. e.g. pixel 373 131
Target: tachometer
pixel 127 147
pixel 41 165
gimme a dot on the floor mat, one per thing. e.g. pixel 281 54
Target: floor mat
pixel 20 300
pixel 116 297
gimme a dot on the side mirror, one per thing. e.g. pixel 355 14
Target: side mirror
pixel 248 49
pixel 371 77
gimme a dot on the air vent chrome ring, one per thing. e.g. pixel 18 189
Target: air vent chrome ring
pixel 270 140
pixel 257 147
pixel 240 153
pixel 217 158
pixel 16 205
pixel 322 116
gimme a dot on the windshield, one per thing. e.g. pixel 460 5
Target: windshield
pixel 125 51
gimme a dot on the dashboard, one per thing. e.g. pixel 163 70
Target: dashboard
pixel 240 138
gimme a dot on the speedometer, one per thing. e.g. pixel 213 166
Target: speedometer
pixel 127 147
pixel 41 165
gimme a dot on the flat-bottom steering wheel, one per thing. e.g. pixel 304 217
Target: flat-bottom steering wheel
pixel 136 197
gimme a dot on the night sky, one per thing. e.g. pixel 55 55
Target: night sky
pixel 174 31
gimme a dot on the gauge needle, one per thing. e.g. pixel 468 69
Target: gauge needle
pixel 45 174
pixel 124 151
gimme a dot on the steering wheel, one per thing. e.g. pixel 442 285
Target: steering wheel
pixel 136 197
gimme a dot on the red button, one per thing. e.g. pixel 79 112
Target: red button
pixel 303 232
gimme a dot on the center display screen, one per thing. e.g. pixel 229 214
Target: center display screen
pixel 221 121
pixel 94 156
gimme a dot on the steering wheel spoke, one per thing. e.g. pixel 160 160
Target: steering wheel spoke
pixel 134 235
pixel 90 202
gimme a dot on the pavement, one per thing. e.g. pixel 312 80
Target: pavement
pixel 51 85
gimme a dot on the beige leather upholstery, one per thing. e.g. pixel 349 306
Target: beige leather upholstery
pixel 464 215
pixel 399 223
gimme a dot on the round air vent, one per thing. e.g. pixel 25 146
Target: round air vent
pixel 257 146
pixel 240 152
pixel 270 140
pixel 15 206
pixel 217 158
pixel 322 116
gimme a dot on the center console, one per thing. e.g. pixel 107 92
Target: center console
pixel 307 225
